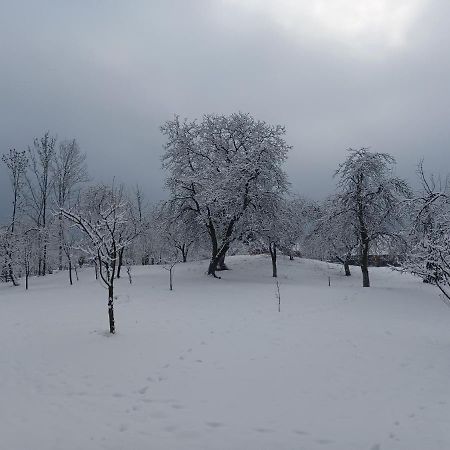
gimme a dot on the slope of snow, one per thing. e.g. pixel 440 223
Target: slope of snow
pixel 214 365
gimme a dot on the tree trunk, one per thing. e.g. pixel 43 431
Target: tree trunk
pixel 70 272
pixel 212 267
pixel 40 261
pixel 365 263
pixel 221 262
pixel 347 268
pixel 11 273
pixel 120 261
pixel 112 327
pixel 60 248
pixel 44 263
pixel 214 249
pixel 273 255
pixel 218 256
pixel 364 256
pixel 218 261
pixel 184 252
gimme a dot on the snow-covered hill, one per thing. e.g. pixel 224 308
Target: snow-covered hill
pixel 214 365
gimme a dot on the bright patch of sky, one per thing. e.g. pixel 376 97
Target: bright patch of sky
pixel 354 23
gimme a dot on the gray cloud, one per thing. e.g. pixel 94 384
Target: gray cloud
pixel 109 73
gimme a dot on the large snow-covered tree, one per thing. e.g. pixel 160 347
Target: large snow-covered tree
pixel 371 198
pixel 219 168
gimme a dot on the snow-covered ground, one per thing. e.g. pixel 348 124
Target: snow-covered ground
pixel 214 365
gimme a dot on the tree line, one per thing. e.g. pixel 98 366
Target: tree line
pixel 228 192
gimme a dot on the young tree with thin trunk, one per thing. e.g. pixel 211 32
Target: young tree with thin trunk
pixel 334 235
pixel 182 232
pixel 28 251
pixel 103 217
pixel 68 171
pixel 16 164
pixel 267 228
pixel 39 187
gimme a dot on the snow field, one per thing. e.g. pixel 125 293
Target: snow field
pixel 214 365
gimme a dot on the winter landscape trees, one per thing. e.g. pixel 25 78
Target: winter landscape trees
pixel 228 191
pixel 228 196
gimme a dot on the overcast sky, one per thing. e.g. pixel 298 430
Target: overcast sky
pixel 336 73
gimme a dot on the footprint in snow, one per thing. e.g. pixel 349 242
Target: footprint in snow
pixel 143 390
pixel 157 415
pixel 214 424
pixel 176 406
pixel 301 432
pixel 188 435
pixel 324 441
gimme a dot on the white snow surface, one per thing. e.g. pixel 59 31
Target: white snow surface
pixel 214 365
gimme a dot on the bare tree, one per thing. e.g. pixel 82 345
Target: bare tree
pixel 334 234
pixel 169 267
pixel 16 163
pixel 102 217
pixel 68 170
pixel 39 184
pixel 28 251
pixel 181 230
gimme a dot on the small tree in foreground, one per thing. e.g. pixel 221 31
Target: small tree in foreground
pixel 102 217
